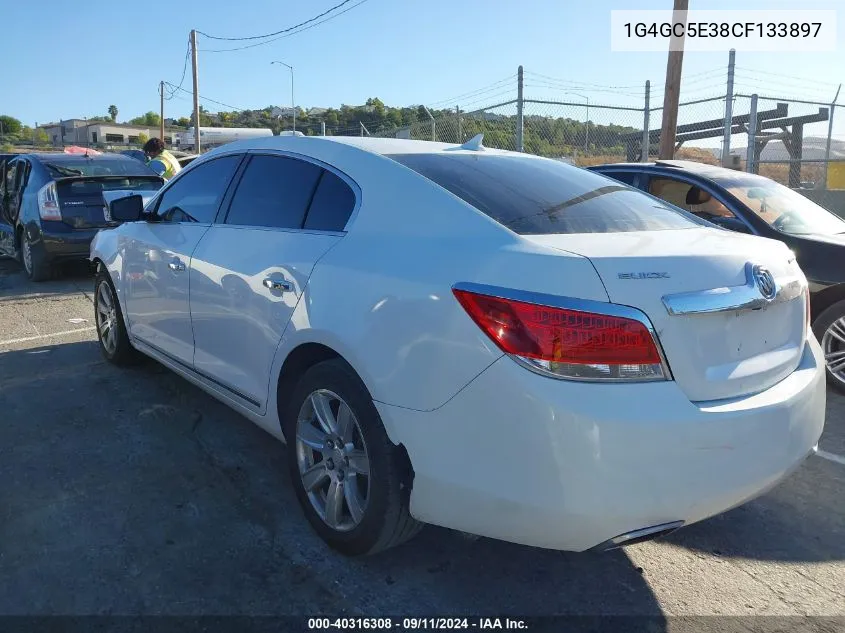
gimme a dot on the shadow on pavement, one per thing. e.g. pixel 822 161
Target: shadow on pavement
pixel 68 277
pixel 132 492
pixel 802 520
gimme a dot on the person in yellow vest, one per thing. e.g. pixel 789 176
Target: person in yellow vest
pixel 160 160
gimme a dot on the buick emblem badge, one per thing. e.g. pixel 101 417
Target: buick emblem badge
pixel 765 282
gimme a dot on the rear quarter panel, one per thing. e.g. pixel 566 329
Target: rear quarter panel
pixel 382 297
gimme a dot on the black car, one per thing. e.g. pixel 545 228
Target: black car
pixel 752 204
pixel 51 205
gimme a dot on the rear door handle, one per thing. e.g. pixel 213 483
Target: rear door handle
pixel 277 284
pixel 176 264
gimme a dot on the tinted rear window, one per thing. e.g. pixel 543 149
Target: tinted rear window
pixel 332 204
pixel 538 197
pixel 94 186
pixel 61 167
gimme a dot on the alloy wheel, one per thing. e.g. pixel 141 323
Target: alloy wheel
pixel 26 248
pixel 333 462
pixel 107 317
pixel 833 346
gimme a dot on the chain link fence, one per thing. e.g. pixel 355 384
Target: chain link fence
pixel 787 140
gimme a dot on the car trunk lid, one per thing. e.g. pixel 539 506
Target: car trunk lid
pixel 81 200
pixel 721 337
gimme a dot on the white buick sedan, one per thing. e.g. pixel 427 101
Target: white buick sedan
pixel 488 341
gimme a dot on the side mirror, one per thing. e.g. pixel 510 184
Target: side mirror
pixel 756 193
pixel 128 209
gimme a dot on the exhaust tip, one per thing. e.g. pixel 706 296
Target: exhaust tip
pixel 637 536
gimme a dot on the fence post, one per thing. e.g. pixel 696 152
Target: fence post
pixel 646 145
pixel 829 135
pixel 729 102
pixel 751 150
pixel 519 110
pixel 458 114
pixel 322 128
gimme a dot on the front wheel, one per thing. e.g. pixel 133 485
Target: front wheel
pixel 829 329
pixel 351 480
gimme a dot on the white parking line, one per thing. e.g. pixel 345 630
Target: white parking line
pixel 26 339
pixel 831 457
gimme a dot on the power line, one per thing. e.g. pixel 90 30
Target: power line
pixel 310 26
pixel 287 30
pixel 804 92
pixel 489 98
pixel 184 71
pixel 569 88
pixel 488 88
pixel 579 83
pixel 779 75
pixel 225 105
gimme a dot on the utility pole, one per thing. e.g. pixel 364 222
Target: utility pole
pixel 671 93
pixel 829 135
pixel 161 116
pixel 751 150
pixel 729 102
pixel 196 92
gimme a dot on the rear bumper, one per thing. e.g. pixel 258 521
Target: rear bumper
pixel 566 465
pixel 68 245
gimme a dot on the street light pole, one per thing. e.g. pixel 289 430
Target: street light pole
pixel 587 121
pixel 587 127
pixel 292 102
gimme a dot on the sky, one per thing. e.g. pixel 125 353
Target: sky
pixel 75 62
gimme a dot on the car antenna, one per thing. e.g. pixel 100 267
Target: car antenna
pixel 474 144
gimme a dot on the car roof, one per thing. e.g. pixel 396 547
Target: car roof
pixel 689 166
pixel 382 146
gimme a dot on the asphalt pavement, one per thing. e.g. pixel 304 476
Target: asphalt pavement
pixel 132 492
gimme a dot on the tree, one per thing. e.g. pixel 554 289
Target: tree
pixel 142 138
pixel 9 125
pixel 113 112
pixel 41 137
pixel 183 121
pixel 150 119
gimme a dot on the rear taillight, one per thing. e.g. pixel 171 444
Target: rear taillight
pixel 48 202
pixel 567 343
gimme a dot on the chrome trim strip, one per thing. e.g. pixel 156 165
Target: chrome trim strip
pixel 619 541
pixel 580 305
pixel 733 298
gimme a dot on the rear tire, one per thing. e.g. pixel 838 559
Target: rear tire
pixel 829 328
pixel 35 263
pixel 111 329
pixel 332 448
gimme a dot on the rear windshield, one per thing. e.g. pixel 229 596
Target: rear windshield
pixel 61 168
pixel 94 185
pixel 538 197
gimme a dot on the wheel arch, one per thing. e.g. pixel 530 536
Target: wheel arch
pixel 307 354
pixel 822 300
